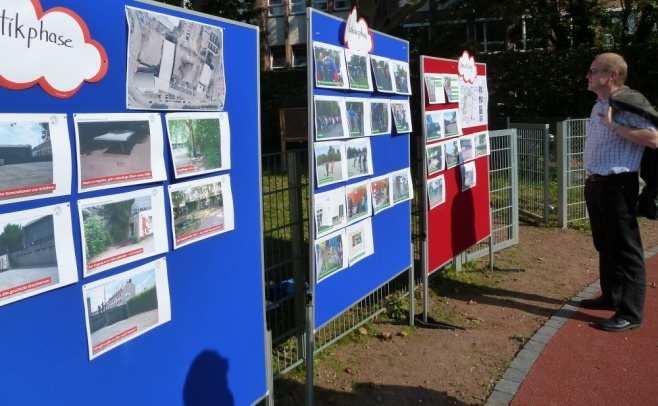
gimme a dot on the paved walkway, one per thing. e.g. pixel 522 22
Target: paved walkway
pixel 569 362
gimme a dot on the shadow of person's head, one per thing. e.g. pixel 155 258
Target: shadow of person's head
pixel 207 383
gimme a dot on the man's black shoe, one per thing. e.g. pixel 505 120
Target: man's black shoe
pixel 616 323
pixel 597 304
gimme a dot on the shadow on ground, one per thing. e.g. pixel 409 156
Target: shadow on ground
pixel 290 392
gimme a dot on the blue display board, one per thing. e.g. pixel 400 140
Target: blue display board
pixel 391 228
pixel 213 349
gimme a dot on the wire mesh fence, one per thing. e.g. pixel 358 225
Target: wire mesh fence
pixel 571 180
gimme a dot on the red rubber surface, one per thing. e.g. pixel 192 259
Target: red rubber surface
pixel 585 366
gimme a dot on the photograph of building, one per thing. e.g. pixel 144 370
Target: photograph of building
pixel 198 210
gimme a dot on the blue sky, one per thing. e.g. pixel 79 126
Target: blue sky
pixel 20 133
pixel 142 281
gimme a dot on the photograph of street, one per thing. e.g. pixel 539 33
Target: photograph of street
pixel 329 162
pixel 173 63
pixel 330 70
pixel 113 152
pixel 26 159
pixel 330 255
pixel 468 175
pixel 434 158
pixel 450 123
pixel 401 186
pixel 329 210
pixel 401 76
pixel 358 238
pixel 126 305
pixel 199 210
pixel 466 149
pixel 451 151
pixel 356 111
pixel 380 117
pixel 481 144
pixel 359 158
pixel 433 125
pixel 381 193
pixel 28 255
pixel 436 191
pixel 121 229
pixel 382 71
pixel 329 119
pixel 198 142
pixel 402 116
pixel 358 70
pixel 358 201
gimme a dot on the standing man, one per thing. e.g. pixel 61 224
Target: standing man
pixel 613 151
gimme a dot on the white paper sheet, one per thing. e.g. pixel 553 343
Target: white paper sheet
pixel 330 118
pixel 330 162
pixel 330 211
pixel 468 175
pixel 330 255
pixel 401 186
pixel 481 141
pixel 436 191
pixel 435 158
pixel 358 199
pixel 357 112
pixel 359 158
pixel 380 192
pixel 466 149
pixel 380 116
pixel 383 72
pixel 330 67
pixel 473 103
pixel 358 70
pixel 401 79
pixel 434 85
pixel 401 116
pixel 433 126
pixel 359 241
pixel 451 151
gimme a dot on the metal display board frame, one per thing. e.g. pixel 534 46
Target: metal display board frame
pixel 483 194
pixel 215 347
pixel 376 270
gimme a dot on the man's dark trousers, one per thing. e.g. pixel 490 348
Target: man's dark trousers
pixel 611 203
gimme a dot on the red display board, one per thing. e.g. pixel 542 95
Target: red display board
pixel 464 218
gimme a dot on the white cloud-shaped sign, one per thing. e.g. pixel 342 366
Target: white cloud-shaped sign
pixel 357 35
pixel 53 49
pixel 466 67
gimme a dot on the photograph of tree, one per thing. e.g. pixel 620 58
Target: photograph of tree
pixel 118 150
pixel 119 229
pixel 433 125
pixel 481 144
pixel 436 191
pixel 381 68
pixel 32 258
pixel 401 76
pixel 330 70
pixel 356 117
pixel 359 158
pixel 451 151
pixel 451 127
pixel 124 306
pixel 199 142
pixel 358 70
pixel 401 116
pixel 380 117
pixel 435 161
pixel 358 201
pixel 381 193
pixel 330 212
pixel 468 175
pixel 401 186
pixel 173 63
pixel 329 162
pixel 330 118
pixel 466 149
pixel 330 255
pixel 201 209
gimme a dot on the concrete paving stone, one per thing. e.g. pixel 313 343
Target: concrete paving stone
pixel 535 345
pixel 507 386
pixel 556 322
pixel 515 375
pixel 499 398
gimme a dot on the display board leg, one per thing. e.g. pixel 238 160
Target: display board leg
pixel 412 289
pixel 270 373
pixel 309 351
pixel 491 253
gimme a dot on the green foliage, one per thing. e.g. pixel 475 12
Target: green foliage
pixel 240 10
pixel 117 216
pixel 11 239
pixel 396 306
pixel 144 302
pixel 96 236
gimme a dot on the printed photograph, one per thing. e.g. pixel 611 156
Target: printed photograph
pixel 481 144
pixel 401 186
pixel 436 191
pixel 330 70
pixel 359 158
pixel 330 255
pixel 466 149
pixel 358 238
pixel 329 123
pixel 451 151
pixel 358 202
pixel 401 77
pixel 356 118
pixel 468 175
pixel 401 116
pixel 358 70
pixel 434 86
pixel 380 117
pixel 173 63
pixel 118 229
pixel 330 212
pixel 26 159
pixel 452 88
pixel 381 68
pixel 113 152
pixel 199 142
pixel 435 161
pixel 433 126
pixel 201 209
pixel 124 306
pixel 450 123
pixel 329 162
pixel 381 193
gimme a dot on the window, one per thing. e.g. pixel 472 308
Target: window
pixel 278 56
pixel 298 55
pixel 319 4
pixel 340 5
pixel 297 6
pixel 275 8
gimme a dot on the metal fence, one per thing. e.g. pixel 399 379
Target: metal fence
pixel 571 136
pixel 534 170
